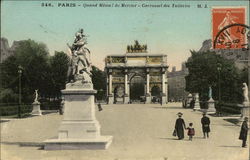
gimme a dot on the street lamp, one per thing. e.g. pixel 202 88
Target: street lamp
pixel 219 98
pixel 219 70
pixel 20 70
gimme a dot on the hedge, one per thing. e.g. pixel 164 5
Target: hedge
pixel 8 110
pixel 50 105
pixel 232 108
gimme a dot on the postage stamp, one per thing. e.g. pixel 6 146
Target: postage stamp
pixel 228 27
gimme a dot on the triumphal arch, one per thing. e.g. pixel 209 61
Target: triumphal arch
pixel 137 76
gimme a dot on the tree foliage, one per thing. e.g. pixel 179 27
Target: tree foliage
pixel 58 67
pixel 39 71
pixel 209 69
pixel 8 96
pixel 32 56
pixel 99 82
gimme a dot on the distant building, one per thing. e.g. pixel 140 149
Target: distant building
pixel 239 56
pixel 177 84
pixel 6 50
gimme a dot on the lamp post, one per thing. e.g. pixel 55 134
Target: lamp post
pixel 20 70
pixel 219 70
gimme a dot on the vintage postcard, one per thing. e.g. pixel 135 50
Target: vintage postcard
pixel 124 80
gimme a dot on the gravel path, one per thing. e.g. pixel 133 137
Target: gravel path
pixel 141 132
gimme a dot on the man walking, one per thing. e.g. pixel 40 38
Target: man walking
pixel 243 132
pixel 205 121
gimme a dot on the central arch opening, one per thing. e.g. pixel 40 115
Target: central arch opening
pixel 156 93
pixel 137 89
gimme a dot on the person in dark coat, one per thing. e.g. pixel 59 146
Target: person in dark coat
pixel 243 132
pixel 205 121
pixel 179 124
pixel 99 107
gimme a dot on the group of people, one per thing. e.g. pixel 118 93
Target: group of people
pixel 180 126
pixel 205 122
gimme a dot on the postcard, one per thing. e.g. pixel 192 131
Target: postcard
pixel 124 80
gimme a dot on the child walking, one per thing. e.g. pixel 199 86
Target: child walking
pixel 191 131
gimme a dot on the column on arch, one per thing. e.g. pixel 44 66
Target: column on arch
pixel 110 92
pixel 163 73
pixel 166 86
pixel 126 95
pixel 148 95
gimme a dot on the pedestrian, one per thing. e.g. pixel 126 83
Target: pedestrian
pixel 243 132
pixel 179 126
pixel 99 107
pixel 205 121
pixel 191 131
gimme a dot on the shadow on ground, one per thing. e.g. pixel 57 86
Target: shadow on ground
pixel 232 120
pixel 175 108
pixel 160 107
pixel 166 138
pixel 2 121
pixel 231 146
pixel 25 144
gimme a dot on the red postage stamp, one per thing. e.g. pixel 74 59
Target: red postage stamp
pixel 228 29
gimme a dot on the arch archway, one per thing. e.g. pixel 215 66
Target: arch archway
pixel 118 94
pixel 155 93
pixel 137 89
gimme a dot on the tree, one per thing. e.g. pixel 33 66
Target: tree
pixel 33 57
pixel 209 69
pixel 8 96
pixel 40 71
pixel 59 64
pixel 99 82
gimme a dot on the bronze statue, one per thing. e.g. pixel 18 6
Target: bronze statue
pixel 137 47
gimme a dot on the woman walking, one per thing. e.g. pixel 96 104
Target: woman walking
pixel 243 132
pixel 179 126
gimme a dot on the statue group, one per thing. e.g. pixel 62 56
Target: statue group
pixel 79 128
pixel 80 66
pixel 137 47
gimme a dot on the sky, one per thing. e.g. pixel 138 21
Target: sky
pixel 166 30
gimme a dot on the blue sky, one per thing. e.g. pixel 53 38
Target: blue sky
pixel 172 31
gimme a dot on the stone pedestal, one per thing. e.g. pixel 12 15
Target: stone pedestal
pixel 126 99
pixel 244 111
pixel 163 99
pixel 79 128
pixel 110 99
pixel 148 99
pixel 197 103
pixel 189 99
pixel 211 107
pixel 36 111
pixel 61 109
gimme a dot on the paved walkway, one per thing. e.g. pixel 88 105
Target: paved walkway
pixel 141 132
